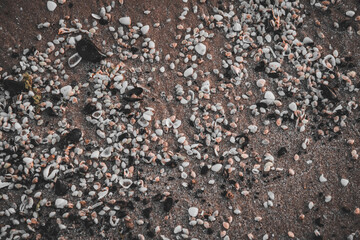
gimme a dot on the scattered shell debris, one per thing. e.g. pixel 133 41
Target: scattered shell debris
pixel 200 119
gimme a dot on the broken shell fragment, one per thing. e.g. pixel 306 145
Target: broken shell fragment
pixel 125 183
pixel 74 60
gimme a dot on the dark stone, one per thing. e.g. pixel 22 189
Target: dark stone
pixel 128 99
pixel 31 51
pixel 282 151
pixel 14 87
pixel 343 25
pixel 209 231
pixel 73 136
pixel 150 234
pixel 89 108
pixel 121 214
pixel 319 222
pixel 261 105
pixel 157 197
pixel 14 55
pixel 103 21
pixel 171 164
pixel 122 136
pixel 273 75
pixel 134 50
pixel 146 212
pixel 88 51
pixel 137 91
pixel 60 188
pixel 260 67
pixel 50 112
pixel 168 204
pixel 50 230
pixel 204 170
pixel 346 209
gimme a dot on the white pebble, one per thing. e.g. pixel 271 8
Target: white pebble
pixel 193 211
pixel 274 65
pixel 269 95
pixel 307 40
pixel 188 72
pixel 177 229
pixel 67 91
pixel 271 195
pixel 293 106
pixel 51 5
pixel 344 182
pixel 350 13
pixel 60 203
pixel 200 48
pixel 322 178
pixel 216 167
pixel 145 29
pixel 253 128
pixel 95 155
pixel 125 21
pixel 260 83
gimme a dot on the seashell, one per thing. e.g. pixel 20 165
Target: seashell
pixel 107 152
pixel 4 184
pixel 46 173
pixel 74 60
pixel 103 193
pixel 97 114
pixel 329 59
pixel 125 183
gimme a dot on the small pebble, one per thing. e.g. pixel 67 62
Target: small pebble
pixel 193 211
pixel 350 13
pixel 344 182
pixel 292 106
pixel 260 83
pixel 51 6
pixel 145 29
pixel 216 167
pixel 322 178
pixel 60 203
pixel 125 21
pixel 200 48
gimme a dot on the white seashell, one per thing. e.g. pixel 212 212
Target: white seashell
pixel 103 193
pixel 97 114
pixel 47 175
pixel 181 140
pixel 95 155
pixel 125 183
pixel 107 152
pixel 177 124
pixel 95 16
pixel 74 60
pixel 28 161
pixel 4 184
